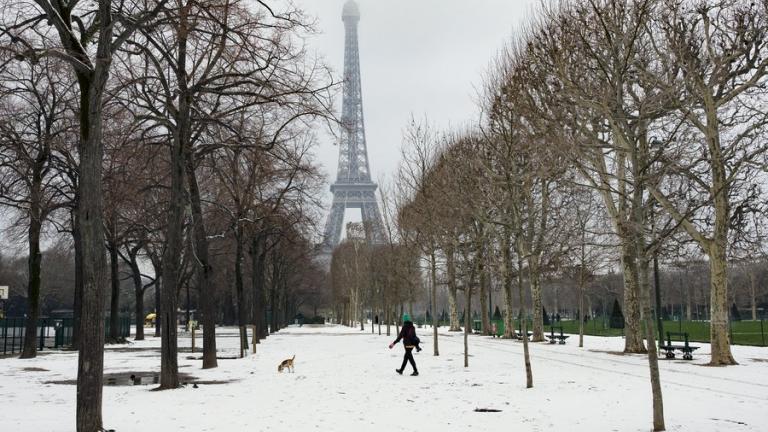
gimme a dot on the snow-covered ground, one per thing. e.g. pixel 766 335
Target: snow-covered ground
pixel 345 381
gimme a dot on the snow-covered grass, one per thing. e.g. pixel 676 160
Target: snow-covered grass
pixel 345 381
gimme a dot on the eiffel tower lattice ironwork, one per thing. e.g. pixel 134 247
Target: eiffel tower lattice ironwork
pixel 353 187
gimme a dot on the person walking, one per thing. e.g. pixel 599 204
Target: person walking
pixel 410 341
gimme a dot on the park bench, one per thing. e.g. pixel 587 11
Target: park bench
pixel 519 335
pixel 686 348
pixel 557 338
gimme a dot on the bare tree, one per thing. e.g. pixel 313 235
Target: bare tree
pixel 717 89
pixel 419 156
pixel 34 99
pixel 75 29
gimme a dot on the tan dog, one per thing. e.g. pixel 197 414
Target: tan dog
pixel 287 364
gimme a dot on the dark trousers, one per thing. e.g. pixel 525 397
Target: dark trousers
pixel 408 357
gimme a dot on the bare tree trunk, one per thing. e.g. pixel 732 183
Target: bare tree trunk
pixel 273 327
pixel 524 325
pixel 534 278
pixel 206 288
pixel 139 314
pixel 485 319
pixel 397 326
pixel 650 334
pixel 721 345
pixel 114 308
pixel 166 315
pixel 34 262
pixel 77 302
pixel 581 313
pixel 90 368
pixel 258 263
pixel 387 314
pixel 138 287
pixel 242 310
pixel 633 337
pixel 467 322
pixel 158 303
pixel 509 317
pixel 433 282
pixel 361 311
pixel 453 310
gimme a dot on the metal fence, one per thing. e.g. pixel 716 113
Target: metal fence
pixel 51 333
pixel 742 332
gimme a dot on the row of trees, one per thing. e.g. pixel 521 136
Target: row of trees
pixel 610 131
pixel 380 280
pixel 171 135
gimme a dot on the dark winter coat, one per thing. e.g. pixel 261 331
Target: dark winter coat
pixel 408 335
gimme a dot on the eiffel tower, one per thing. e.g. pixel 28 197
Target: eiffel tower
pixel 353 187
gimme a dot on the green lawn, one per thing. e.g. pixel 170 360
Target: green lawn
pixel 742 332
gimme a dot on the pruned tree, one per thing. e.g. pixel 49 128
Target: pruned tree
pixel 716 89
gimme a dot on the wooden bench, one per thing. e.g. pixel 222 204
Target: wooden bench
pixel 557 338
pixel 686 348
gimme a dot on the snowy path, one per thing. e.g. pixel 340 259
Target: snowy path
pixel 345 381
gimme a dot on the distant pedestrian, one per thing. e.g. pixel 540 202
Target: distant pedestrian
pixel 410 341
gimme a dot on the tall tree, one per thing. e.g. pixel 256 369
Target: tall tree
pixel 34 99
pixel 717 88
pixel 85 36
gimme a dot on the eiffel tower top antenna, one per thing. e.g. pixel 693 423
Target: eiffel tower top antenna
pixel 351 10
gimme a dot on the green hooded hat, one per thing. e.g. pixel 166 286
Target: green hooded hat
pixel 406 317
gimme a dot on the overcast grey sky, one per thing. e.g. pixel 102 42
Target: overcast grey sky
pixel 425 57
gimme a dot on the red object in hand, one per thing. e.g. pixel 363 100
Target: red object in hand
pixel 391 345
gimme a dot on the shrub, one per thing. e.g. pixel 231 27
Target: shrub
pixel 617 318
pixel 735 315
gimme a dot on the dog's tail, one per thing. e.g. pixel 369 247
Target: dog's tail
pixel 293 358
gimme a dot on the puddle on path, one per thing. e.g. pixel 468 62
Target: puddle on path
pixel 144 378
pixel 217 357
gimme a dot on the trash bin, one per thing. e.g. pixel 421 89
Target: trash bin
pixel 497 328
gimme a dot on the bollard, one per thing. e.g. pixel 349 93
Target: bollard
pixel 762 332
pixel 193 339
